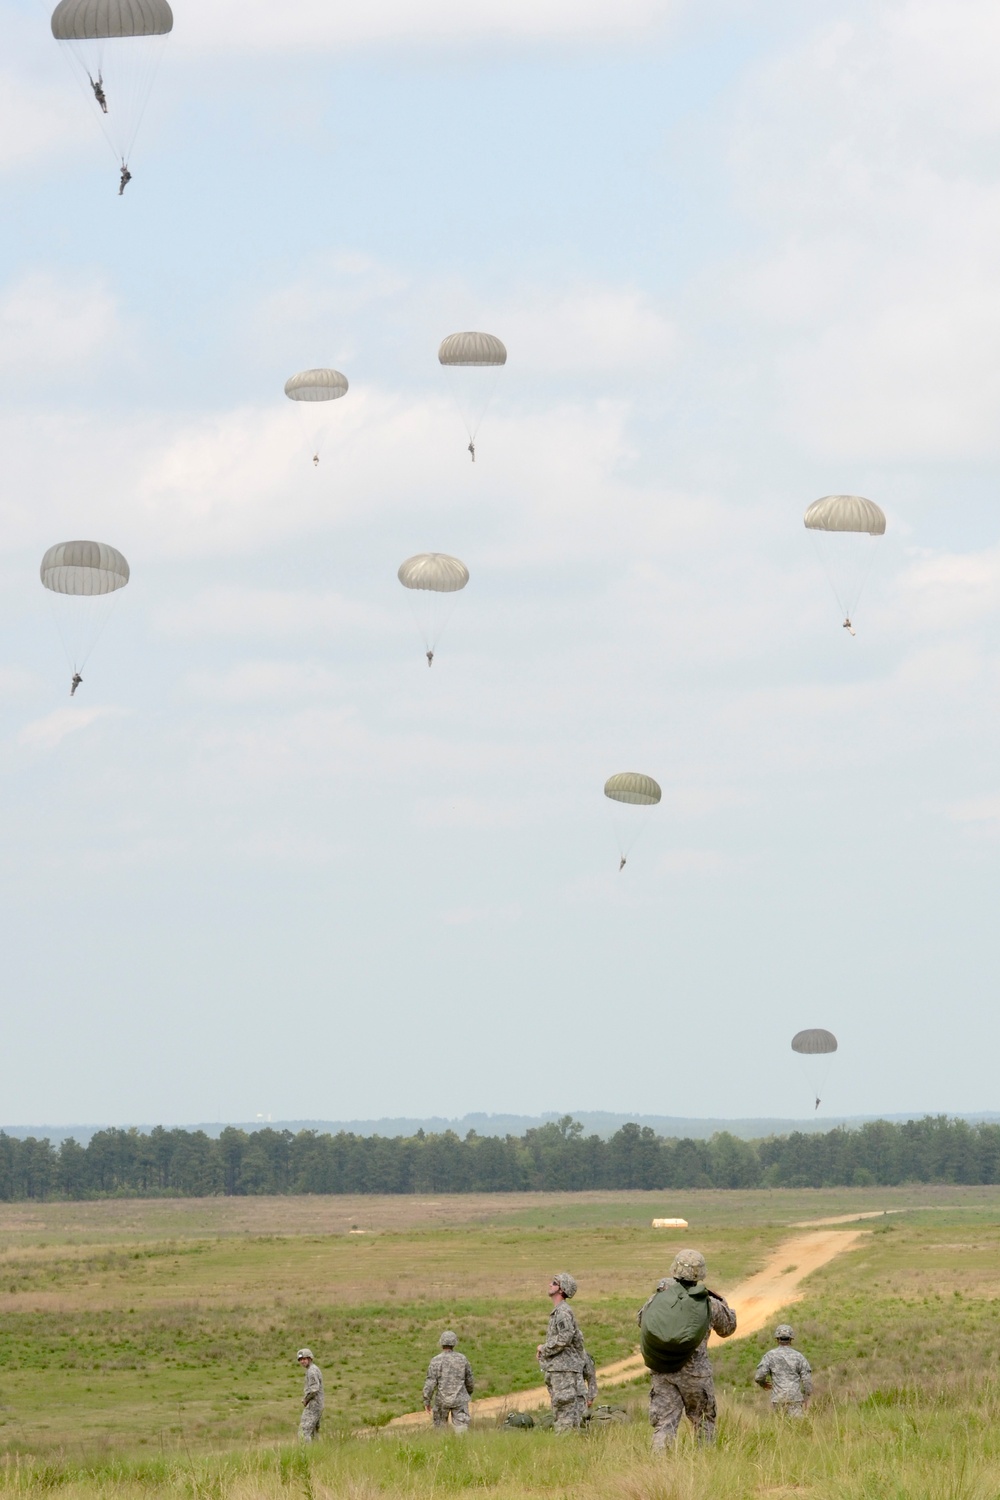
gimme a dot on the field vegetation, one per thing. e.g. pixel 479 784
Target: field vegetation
pixel 150 1347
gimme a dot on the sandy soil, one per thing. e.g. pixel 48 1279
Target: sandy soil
pixel 878 1213
pixel 755 1301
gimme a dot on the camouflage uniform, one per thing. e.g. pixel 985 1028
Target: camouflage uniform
pixel 448 1386
pixel 691 1389
pixel 788 1373
pixel 561 1358
pixel 588 1383
pixel 312 1404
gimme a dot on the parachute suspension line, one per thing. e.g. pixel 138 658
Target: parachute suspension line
pixel 628 828
pixel 128 89
pixel 471 414
pixel 80 623
pixel 847 581
pixel 431 614
pixel 153 56
pixel 816 1077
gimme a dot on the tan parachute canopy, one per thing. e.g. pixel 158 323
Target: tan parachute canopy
pixel 845 529
pixel 633 787
pixel 433 570
pixel 814 1042
pixel 83 580
pixel 436 581
pixel 316 385
pixel 85 20
pixel 472 350
pixel 84 569
pixel 845 513
pixel 472 363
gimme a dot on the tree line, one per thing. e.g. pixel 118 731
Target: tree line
pixel 554 1157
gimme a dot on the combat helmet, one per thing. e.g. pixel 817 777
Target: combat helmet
pixel 689 1265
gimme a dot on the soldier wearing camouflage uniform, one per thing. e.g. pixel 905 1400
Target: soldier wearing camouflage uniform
pixel 312 1396
pixel 690 1390
pixel 562 1356
pixel 449 1385
pixel 788 1373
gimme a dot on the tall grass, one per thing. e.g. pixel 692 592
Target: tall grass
pixel 917 1450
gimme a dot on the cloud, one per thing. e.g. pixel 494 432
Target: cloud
pixel 264 681
pixel 51 325
pixel 16 683
pixel 697 862
pixel 291 846
pixel 588 332
pixel 467 916
pixel 875 296
pixel 50 731
pixel 245 612
pixel 35 120
pixel 977 810
pixel 468 812
pixel 257 25
pixel 948 591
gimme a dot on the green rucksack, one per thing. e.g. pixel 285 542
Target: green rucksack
pixel 673 1325
pixel 519 1419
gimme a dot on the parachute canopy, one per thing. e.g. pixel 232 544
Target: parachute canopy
pixel 845 513
pixel 433 570
pixel 94 20
pixel 316 385
pixel 813 1042
pixel 466 356
pixel 83 580
pixel 472 349
pixel 84 569
pixel 632 787
pixel 845 529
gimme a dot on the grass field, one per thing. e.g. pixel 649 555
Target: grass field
pixel 151 1345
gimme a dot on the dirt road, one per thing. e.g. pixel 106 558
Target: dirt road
pixel 755 1301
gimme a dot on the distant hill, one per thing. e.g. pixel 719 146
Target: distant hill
pixel 594 1122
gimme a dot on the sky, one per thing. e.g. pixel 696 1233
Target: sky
pixel 742 255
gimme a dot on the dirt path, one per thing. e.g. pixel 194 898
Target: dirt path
pixel 755 1301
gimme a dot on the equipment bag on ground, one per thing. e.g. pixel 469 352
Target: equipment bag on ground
pixel 673 1325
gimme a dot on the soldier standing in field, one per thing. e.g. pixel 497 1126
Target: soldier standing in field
pixel 788 1373
pixel 449 1385
pixel 561 1357
pixel 689 1389
pixel 312 1396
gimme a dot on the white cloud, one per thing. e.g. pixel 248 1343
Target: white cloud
pixel 696 862
pixel 48 732
pixel 588 332
pixel 875 299
pixel 16 683
pixel 469 812
pixel 245 612
pixel 51 325
pixel 35 119
pixel 948 591
pixel 264 681
pixel 467 916
pixel 314 26
pixel 977 810
pixel 292 846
